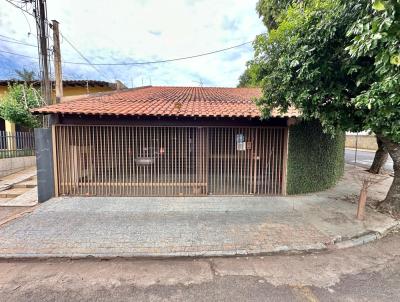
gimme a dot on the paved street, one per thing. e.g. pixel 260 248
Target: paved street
pixel 365 159
pixel 366 273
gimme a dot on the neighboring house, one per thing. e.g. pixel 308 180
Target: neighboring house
pixel 183 141
pixel 70 88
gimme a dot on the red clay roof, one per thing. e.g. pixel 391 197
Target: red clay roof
pixel 167 101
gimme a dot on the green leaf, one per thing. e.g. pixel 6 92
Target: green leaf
pixel 378 5
pixel 395 60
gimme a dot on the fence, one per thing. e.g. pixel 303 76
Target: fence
pixel 169 161
pixel 16 144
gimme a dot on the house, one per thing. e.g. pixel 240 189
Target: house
pixel 175 141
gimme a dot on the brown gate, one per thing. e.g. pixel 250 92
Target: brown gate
pixel 168 161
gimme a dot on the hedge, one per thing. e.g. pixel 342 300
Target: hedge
pixel 315 159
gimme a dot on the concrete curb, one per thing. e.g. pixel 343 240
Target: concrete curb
pixel 366 237
pixel 280 250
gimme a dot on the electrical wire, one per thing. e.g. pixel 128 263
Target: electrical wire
pixel 151 62
pixel 48 24
pixel 18 42
pixel 10 38
pixel 93 65
pixel 82 56
pixel 166 60
pixel 17 54
pixel 20 8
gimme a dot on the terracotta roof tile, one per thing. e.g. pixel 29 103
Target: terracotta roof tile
pixel 167 101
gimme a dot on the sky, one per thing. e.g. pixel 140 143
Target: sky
pixel 115 31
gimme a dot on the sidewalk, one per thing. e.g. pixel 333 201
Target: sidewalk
pixel 19 189
pixel 203 226
pixel 362 150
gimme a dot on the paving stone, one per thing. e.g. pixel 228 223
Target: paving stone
pixel 188 226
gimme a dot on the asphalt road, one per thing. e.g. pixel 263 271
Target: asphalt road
pixel 365 273
pixel 364 159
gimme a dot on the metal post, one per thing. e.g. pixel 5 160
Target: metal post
pixel 355 153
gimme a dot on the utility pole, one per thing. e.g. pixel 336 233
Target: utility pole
pixel 43 45
pixel 57 61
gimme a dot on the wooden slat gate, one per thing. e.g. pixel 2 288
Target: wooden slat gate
pixel 169 161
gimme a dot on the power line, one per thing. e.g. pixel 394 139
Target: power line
pixel 167 60
pixel 18 42
pixel 47 22
pixel 150 62
pixel 81 55
pixel 135 63
pixel 20 8
pixel 10 38
pixel 18 54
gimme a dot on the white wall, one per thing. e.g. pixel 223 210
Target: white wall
pixel 15 164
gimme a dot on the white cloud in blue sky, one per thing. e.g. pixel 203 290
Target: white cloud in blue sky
pixel 142 30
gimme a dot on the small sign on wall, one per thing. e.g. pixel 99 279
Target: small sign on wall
pixel 240 143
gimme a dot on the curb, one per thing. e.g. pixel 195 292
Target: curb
pixel 356 241
pixel 280 250
pixel 365 238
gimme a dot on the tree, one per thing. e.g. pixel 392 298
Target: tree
pixel 381 156
pixel 16 103
pixel 377 35
pixel 338 62
pixel 26 75
pixel 269 10
pixel 252 76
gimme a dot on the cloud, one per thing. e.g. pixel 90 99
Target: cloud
pixel 230 24
pixel 154 32
pixel 147 30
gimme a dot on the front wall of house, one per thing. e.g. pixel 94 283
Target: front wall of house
pixel 111 156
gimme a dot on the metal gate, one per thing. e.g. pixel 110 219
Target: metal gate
pixel 169 161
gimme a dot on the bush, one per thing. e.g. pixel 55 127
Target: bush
pixel 315 159
pixel 16 103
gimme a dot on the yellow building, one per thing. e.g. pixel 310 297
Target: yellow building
pixel 70 88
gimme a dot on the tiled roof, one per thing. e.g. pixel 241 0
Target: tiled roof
pixel 167 101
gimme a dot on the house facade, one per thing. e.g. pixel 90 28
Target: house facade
pixel 169 141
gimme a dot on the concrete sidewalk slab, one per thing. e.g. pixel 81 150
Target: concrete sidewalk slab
pixel 195 226
pixel 8 181
pixel 27 199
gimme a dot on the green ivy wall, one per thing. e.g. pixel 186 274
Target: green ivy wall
pixel 315 159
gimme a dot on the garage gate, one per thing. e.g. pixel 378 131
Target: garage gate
pixel 169 161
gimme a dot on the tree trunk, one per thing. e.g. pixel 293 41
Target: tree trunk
pixel 380 158
pixel 362 201
pixel 392 200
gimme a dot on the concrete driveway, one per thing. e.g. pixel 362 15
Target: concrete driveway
pixel 209 226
